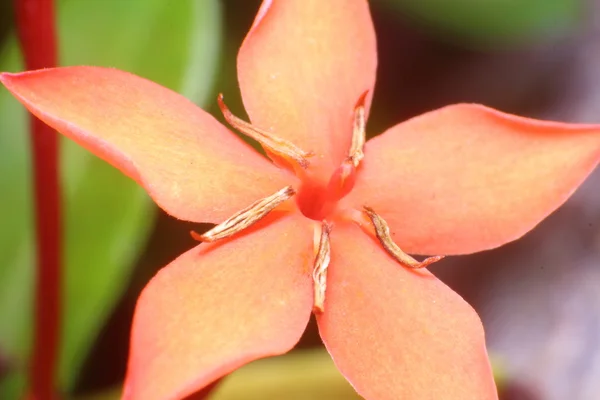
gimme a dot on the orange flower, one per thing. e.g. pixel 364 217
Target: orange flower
pixel 310 231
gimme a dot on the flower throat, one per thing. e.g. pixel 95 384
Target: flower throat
pixel 314 199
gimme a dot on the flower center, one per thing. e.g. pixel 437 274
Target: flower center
pixel 317 201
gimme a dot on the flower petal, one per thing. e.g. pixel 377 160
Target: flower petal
pixel 467 178
pixel 303 67
pixel 399 334
pixel 220 306
pixel 193 167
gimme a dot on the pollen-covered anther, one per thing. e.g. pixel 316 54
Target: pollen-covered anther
pixel 271 143
pixel 322 260
pixel 359 133
pixel 382 231
pixel 246 217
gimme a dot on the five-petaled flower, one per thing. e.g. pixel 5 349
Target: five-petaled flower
pixel 324 226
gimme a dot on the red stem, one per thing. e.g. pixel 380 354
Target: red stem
pixel 35 24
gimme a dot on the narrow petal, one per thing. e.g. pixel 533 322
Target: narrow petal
pixel 467 178
pixel 303 67
pixel 193 167
pixel 220 306
pixel 400 334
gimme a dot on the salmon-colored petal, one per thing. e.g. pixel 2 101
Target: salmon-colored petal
pixel 193 167
pixel 467 178
pixel 220 306
pixel 399 334
pixel 303 67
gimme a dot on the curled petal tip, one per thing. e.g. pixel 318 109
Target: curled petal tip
pixel 221 103
pixel 362 99
pixel 197 236
pixel 428 261
pixel 5 77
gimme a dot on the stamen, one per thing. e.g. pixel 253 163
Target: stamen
pixel 358 132
pixel 273 144
pixel 247 217
pixel 382 230
pixel 320 271
pixel 342 180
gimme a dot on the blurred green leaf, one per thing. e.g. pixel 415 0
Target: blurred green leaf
pixel 299 375
pixel 494 22
pixel 107 216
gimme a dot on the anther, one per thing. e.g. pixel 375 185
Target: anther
pixel 271 143
pixel 322 260
pixel 382 232
pixel 246 217
pixel 359 134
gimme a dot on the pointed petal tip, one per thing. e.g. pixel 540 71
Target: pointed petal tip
pixel 7 77
pixel 220 306
pixel 467 178
pixel 340 69
pixel 12 76
pixel 395 334
pixel 152 134
pixel 262 11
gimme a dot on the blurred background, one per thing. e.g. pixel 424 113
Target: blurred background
pixel 539 297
